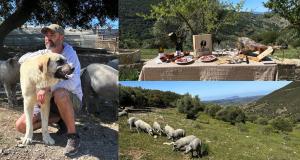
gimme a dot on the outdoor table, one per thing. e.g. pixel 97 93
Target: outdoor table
pixel 208 71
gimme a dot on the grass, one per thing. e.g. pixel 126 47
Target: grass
pixel 152 53
pixel 129 74
pixel 290 53
pixel 225 141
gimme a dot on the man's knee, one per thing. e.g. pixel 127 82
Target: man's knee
pixel 21 125
pixel 61 95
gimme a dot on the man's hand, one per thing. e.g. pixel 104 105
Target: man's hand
pixel 41 94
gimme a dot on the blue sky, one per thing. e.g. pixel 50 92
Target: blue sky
pixel 252 5
pixel 114 24
pixel 211 90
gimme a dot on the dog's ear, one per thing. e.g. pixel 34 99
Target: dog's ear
pixel 10 61
pixel 43 66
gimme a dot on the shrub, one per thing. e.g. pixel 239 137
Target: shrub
pixel 242 127
pixel 262 121
pixel 286 137
pixel 267 130
pixel 212 110
pixel 190 106
pixel 251 118
pixel 198 126
pixel 296 117
pixel 282 124
pixel 204 149
pixel 231 114
pixel 129 43
pixel 127 74
pixel 266 37
pixel 295 43
pixel 149 43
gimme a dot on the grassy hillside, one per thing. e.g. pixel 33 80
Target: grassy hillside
pixel 225 141
pixel 283 101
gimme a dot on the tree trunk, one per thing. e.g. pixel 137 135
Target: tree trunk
pixel 18 18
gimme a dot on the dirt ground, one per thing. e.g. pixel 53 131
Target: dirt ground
pixel 99 140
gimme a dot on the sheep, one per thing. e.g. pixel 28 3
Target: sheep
pixel 123 113
pixel 194 147
pixel 131 121
pixel 178 133
pixel 182 142
pixel 156 128
pixel 141 125
pixel 168 130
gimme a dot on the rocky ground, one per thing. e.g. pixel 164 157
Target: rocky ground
pixel 99 139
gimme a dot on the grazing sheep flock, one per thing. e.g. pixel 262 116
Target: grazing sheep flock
pixel 141 125
pixel 123 113
pixel 188 144
pixel 178 133
pixel 169 131
pixel 157 129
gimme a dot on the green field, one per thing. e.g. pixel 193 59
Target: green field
pixel 152 53
pixel 225 141
pixel 288 53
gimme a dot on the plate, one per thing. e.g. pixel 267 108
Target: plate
pixel 184 60
pixel 208 58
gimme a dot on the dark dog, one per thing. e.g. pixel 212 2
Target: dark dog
pixel 9 77
pixel 100 85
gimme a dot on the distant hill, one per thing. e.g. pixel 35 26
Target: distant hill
pixel 236 100
pixel 135 32
pixel 284 101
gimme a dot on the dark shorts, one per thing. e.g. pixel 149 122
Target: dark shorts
pixel 53 107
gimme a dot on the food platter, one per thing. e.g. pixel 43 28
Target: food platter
pixel 184 60
pixel 208 58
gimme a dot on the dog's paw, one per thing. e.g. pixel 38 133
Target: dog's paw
pixel 26 140
pixel 48 140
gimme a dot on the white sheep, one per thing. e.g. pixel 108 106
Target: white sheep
pixel 178 133
pixel 156 128
pixel 168 130
pixel 123 113
pixel 141 125
pixel 131 121
pixel 194 147
pixel 181 143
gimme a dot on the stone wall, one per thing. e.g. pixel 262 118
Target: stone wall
pixel 288 69
pixel 88 55
pixel 129 56
pixel 31 37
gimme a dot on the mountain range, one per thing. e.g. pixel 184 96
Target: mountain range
pixel 235 100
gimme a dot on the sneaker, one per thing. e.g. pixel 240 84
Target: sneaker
pixel 73 144
pixel 62 128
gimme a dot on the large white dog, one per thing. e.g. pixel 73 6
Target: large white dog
pixel 37 73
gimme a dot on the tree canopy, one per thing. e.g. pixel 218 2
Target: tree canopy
pixel 74 13
pixel 181 16
pixel 141 98
pixel 288 9
pixel 210 14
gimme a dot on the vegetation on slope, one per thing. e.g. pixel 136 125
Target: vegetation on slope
pixel 247 141
pixel 282 102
